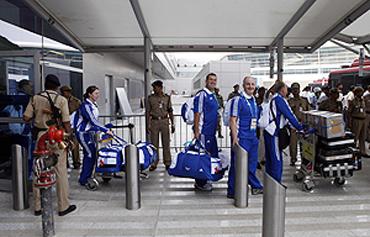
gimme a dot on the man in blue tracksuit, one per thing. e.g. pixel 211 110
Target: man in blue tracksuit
pixel 86 124
pixel 205 123
pixel 280 108
pixel 243 125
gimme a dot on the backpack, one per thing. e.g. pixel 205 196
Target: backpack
pixel 226 114
pixel 187 110
pixel 264 119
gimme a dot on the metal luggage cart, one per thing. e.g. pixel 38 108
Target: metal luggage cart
pixel 337 167
pixel 308 153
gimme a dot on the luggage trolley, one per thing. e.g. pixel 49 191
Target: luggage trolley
pixel 334 158
pixel 108 171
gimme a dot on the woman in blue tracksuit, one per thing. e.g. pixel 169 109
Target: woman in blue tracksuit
pixel 283 114
pixel 243 125
pixel 85 123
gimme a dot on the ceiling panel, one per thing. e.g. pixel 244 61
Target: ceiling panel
pixel 360 27
pixel 225 22
pixel 97 22
pixel 317 20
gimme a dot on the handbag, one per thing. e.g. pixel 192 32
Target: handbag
pixel 283 133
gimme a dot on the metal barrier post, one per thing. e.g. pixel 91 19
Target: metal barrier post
pixel 274 194
pixel 241 177
pixel 133 196
pixel 47 212
pixel 19 177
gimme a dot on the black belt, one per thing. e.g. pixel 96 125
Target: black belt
pixel 159 118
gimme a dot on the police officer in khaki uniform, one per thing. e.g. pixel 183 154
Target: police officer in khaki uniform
pixel 39 110
pixel 159 113
pixel 332 104
pixel 73 105
pixel 367 110
pixel 297 104
pixel 357 118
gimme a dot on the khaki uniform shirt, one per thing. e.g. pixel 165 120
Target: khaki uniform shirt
pixel 356 108
pixel 367 103
pixel 39 108
pixel 159 106
pixel 73 104
pixel 332 106
pixel 297 105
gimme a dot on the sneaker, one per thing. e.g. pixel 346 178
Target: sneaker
pixel 207 187
pixel 38 213
pixel 144 175
pixel 70 209
pixel 257 191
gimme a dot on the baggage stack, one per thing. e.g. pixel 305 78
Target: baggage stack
pixel 330 152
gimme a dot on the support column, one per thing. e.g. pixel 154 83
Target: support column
pixel 280 56
pixel 148 55
pixel 272 62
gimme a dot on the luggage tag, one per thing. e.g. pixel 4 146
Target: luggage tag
pixel 253 124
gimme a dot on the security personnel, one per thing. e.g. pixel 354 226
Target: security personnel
pixel 357 119
pixel 332 104
pixel 159 113
pixel 367 110
pixel 243 126
pixel 40 110
pixel 205 123
pixel 73 105
pixel 282 113
pixel 297 104
pixel 234 93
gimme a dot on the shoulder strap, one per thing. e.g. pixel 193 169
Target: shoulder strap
pixel 272 112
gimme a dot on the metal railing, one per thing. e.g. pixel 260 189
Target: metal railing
pixel 183 132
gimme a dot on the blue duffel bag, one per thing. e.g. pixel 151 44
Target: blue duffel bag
pixel 194 162
pixel 147 154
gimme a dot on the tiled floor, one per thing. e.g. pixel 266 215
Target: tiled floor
pixel 170 207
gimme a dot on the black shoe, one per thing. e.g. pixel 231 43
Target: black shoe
pixel 365 156
pixel 257 191
pixel 70 209
pixel 152 168
pixel 220 136
pixel 259 166
pixel 230 196
pixel 38 213
pixel 262 162
pixel 292 164
pixel 167 167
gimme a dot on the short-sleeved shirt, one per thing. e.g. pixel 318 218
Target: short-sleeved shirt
pixel 39 108
pixel 245 108
pixel 159 106
pixel 298 105
pixel 332 106
pixel 73 104
pixel 205 103
pixel 357 108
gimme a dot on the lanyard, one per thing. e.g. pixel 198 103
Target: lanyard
pixel 253 110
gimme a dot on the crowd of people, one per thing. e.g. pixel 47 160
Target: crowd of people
pixel 246 108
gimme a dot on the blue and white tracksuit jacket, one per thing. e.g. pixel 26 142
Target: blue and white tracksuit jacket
pixel 274 157
pixel 85 123
pixel 245 108
pixel 205 103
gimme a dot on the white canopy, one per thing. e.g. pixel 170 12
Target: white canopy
pixel 206 25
